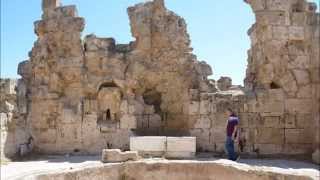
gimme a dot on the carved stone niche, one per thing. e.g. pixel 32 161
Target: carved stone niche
pixel 108 100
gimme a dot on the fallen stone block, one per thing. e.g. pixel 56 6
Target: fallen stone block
pixel 181 147
pixel 149 145
pixel 115 155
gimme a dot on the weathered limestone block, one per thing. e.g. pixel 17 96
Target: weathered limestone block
pixel 149 145
pixel 64 24
pixel 244 119
pixel 299 19
pixel 271 121
pixel 205 107
pixel 204 69
pixel 7 86
pixel 67 11
pixel 276 95
pixel 302 76
pixel 314 75
pixel 50 4
pixel 289 84
pixel 48 136
pixel 264 34
pixel 93 43
pixel 290 121
pixel 224 83
pixel 296 149
pixel 68 138
pixel 298 136
pixel 218 135
pixel 304 120
pixel 271 17
pixel 220 120
pixel 305 91
pixel 194 94
pixel 204 122
pixel 298 105
pixel 68 116
pixel 270 136
pixel 266 69
pixel 90 106
pixel 155 121
pixel 128 122
pixel 181 147
pixel 136 108
pixel 60 12
pixel 299 62
pixel 297 47
pixel 296 33
pixel 281 5
pixel 272 108
pixel 280 32
pixel 194 107
pixel 115 155
pixel 124 108
pixel 55 84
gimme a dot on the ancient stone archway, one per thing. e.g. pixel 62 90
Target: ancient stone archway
pixel 109 100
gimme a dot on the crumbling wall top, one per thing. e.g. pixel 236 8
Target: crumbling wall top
pixel 282 5
pixel 50 4
pixel 155 27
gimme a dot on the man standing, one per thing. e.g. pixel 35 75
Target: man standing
pixel 232 134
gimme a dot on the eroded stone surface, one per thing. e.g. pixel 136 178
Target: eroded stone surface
pixel 149 145
pixel 91 168
pixel 283 55
pixel 115 155
pixel 180 147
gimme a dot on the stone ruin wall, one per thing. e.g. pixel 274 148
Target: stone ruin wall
pixel 14 132
pixel 283 71
pixel 85 95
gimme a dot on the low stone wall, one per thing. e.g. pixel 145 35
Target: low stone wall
pixel 174 170
pixel 87 95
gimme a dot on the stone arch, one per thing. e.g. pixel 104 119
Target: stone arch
pixel 109 83
pixel 109 97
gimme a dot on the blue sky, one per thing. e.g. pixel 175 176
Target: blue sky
pixel 218 29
